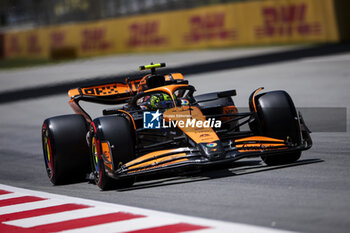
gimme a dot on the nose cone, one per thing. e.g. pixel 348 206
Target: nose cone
pixel 213 150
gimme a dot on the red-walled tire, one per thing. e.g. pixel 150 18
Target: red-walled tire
pixel 118 133
pixel 66 153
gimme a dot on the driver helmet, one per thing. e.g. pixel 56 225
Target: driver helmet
pixel 156 101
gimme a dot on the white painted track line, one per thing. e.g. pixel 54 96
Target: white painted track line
pixel 11 195
pixel 143 219
pixel 241 229
pixel 30 206
pixel 59 217
pixel 124 226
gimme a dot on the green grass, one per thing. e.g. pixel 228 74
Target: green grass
pixel 19 63
pixel 23 63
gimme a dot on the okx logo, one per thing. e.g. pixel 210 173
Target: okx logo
pixel 151 120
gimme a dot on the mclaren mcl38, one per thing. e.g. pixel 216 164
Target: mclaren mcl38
pixel 157 124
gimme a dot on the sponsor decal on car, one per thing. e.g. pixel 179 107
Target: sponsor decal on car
pixel 210 145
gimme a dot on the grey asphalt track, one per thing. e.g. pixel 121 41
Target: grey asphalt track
pixel 312 195
pixel 83 69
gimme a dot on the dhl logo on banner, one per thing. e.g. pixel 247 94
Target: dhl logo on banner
pixel 295 21
pixel 287 21
pixel 94 39
pixel 244 23
pixel 209 27
pixel 146 34
pixel 23 44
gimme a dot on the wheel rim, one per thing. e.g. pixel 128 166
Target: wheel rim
pixel 48 156
pixel 94 158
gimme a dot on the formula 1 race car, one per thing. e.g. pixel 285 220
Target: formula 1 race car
pixel 157 125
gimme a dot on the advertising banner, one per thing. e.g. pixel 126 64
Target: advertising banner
pixel 290 21
pixel 234 24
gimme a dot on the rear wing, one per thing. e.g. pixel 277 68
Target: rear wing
pixel 110 93
pixel 114 93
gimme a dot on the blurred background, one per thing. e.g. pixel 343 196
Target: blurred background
pixel 16 13
pixel 68 29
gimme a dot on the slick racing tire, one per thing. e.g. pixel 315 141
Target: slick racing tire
pixel 66 153
pixel 278 118
pixel 117 132
pixel 281 159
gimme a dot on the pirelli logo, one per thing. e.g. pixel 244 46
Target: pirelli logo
pixel 102 90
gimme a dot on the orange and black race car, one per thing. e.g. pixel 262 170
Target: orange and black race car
pixel 157 124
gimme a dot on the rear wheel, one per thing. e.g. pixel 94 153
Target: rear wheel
pixel 278 118
pixel 116 132
pixel 66 153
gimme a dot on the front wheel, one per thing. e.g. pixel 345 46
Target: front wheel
pixel 281 159
pixel 101 178
pixel 278 118
pixel 112 145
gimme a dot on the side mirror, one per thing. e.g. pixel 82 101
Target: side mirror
pixel 227 93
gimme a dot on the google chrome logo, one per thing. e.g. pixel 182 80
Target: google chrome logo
pixel 213 144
